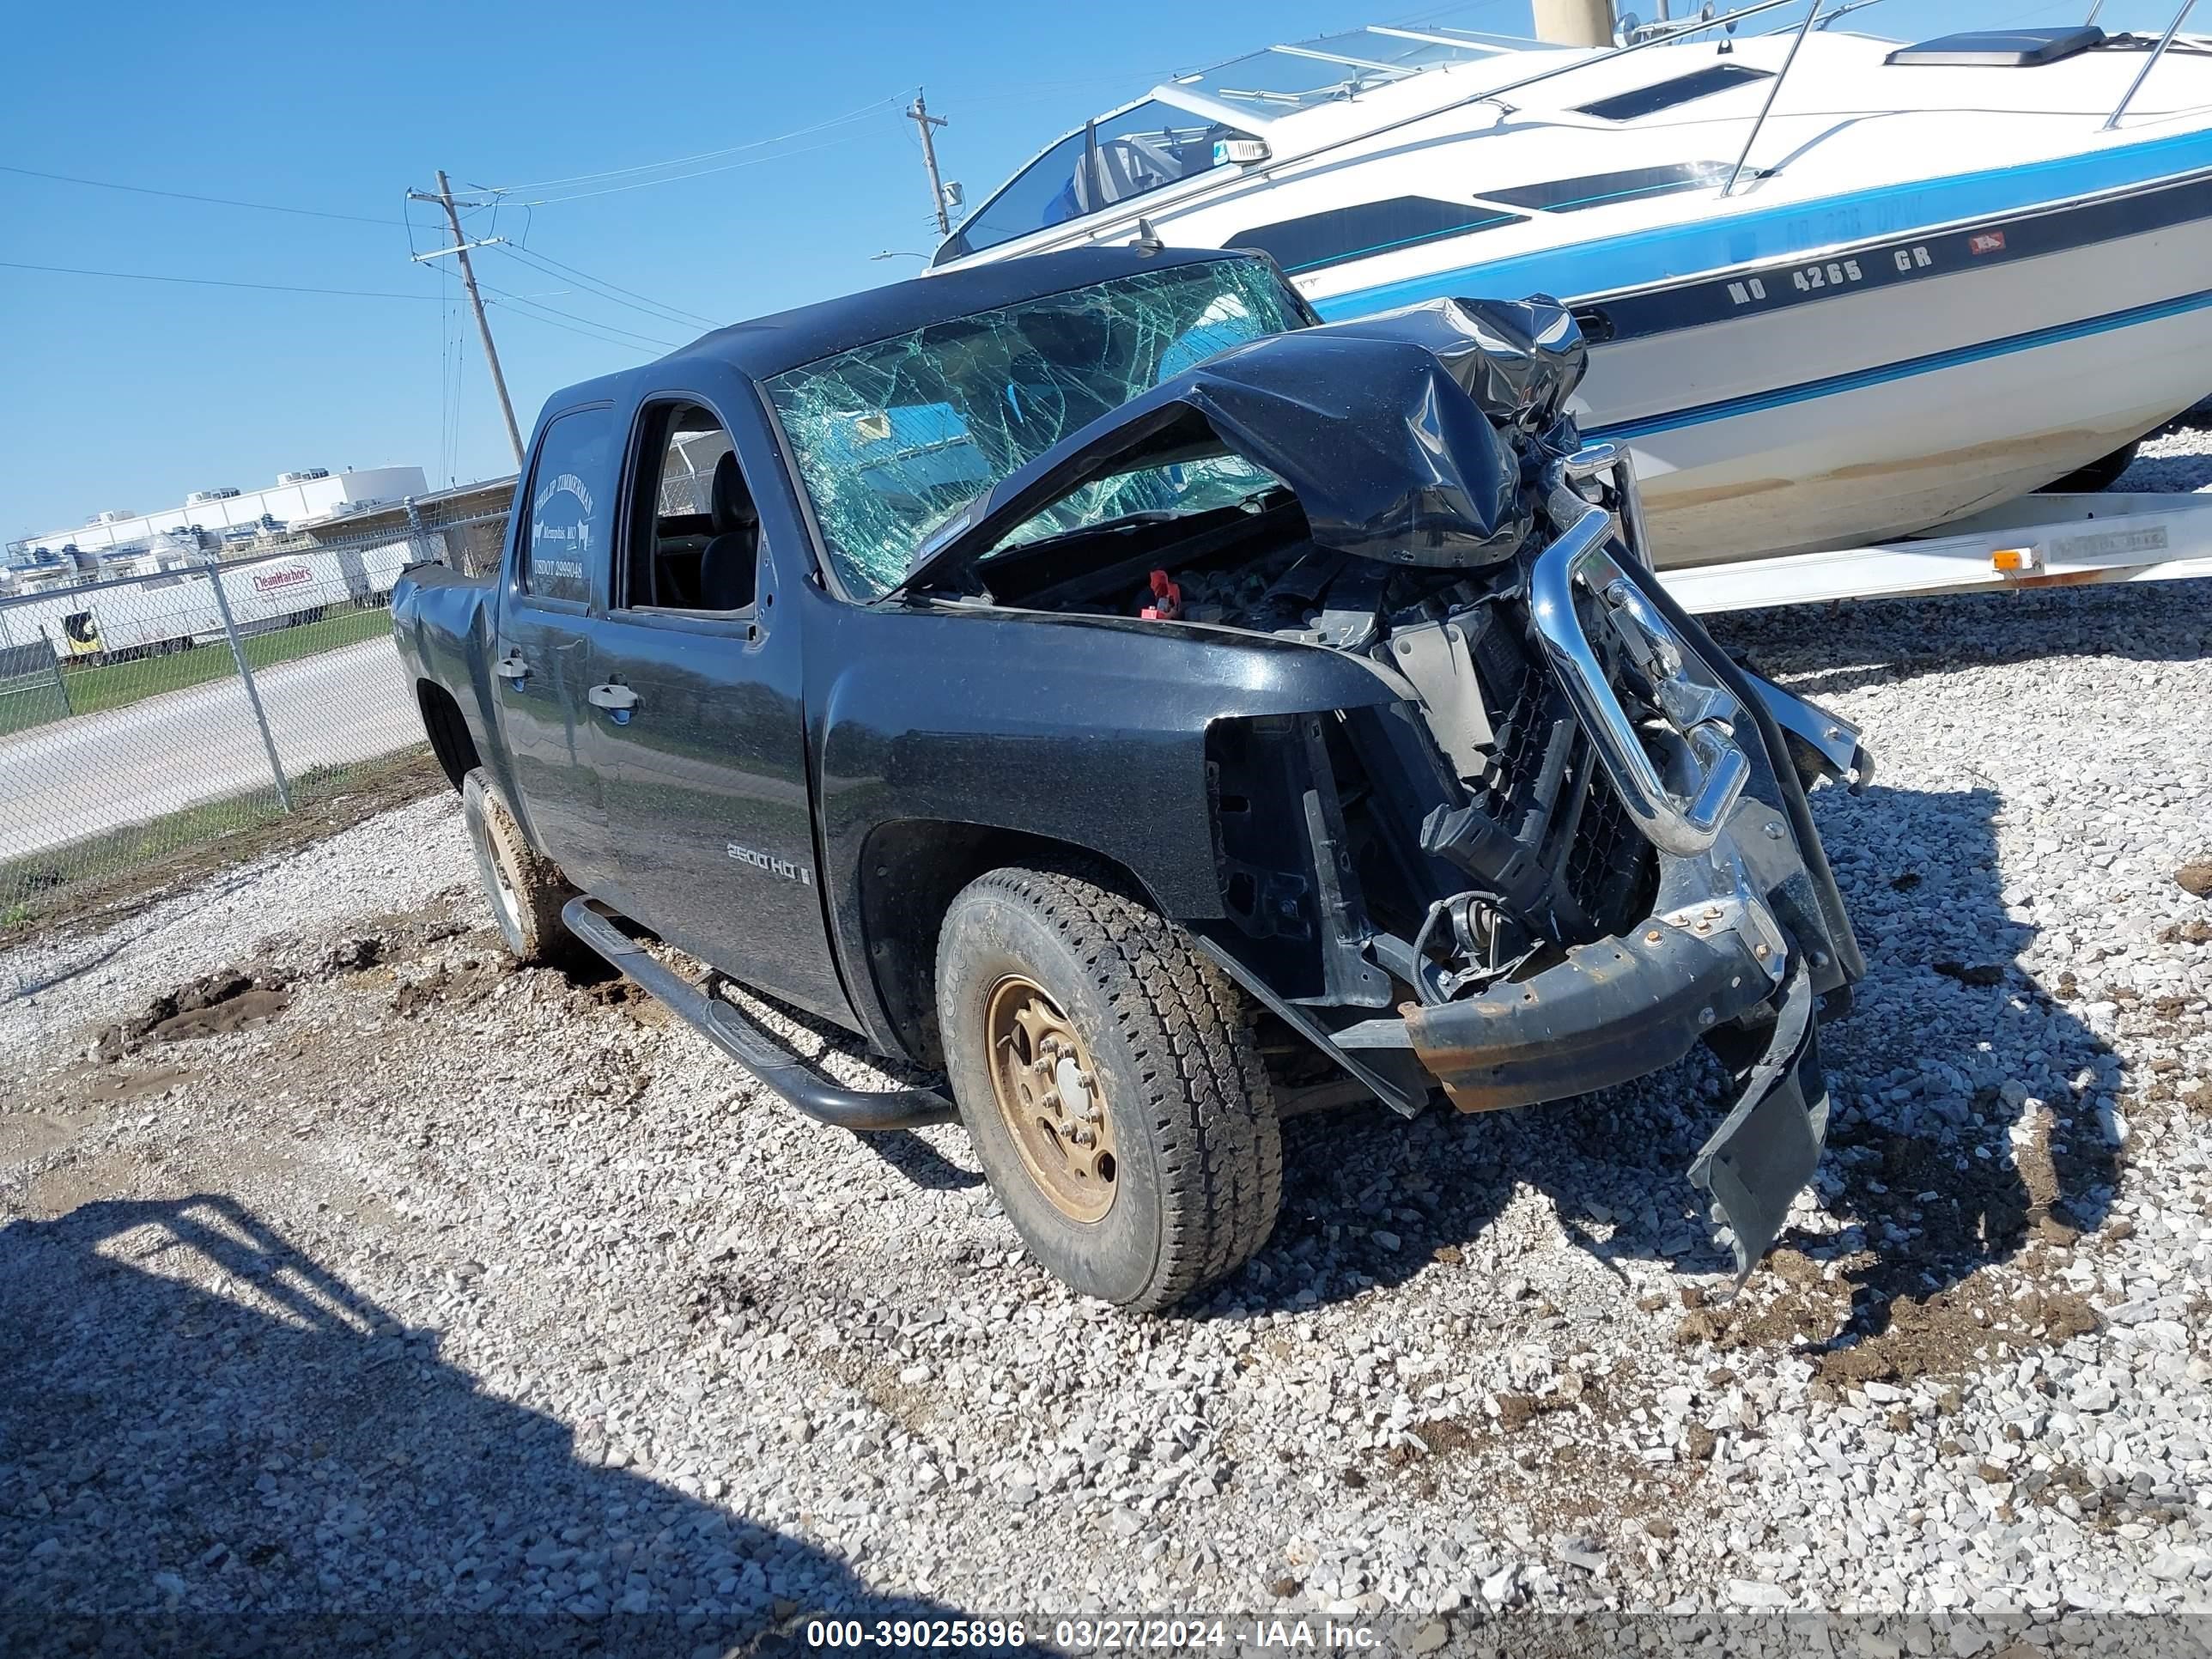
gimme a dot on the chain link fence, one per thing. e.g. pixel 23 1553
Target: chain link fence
pixel 146 715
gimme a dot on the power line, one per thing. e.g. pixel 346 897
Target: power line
pixel 588 322
pixel 212 281
pixel 186 195
pixel 565 328
pixel 619 294
pixel 703 155
pixel 678 179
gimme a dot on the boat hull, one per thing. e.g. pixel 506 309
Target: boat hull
pixel 1934 289
pixel 1880 413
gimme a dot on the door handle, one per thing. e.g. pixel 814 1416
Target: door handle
pixel 511 667
pixel 617 699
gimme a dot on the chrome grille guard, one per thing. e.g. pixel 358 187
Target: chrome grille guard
pixel 1696 705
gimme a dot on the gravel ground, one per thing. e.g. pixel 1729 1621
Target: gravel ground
pixel 444 1287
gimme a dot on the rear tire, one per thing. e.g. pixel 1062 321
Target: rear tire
pixel 525 889
pixel 1169 1173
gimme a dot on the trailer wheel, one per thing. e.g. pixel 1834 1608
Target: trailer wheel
pixel 1110 1083
pixel 525 889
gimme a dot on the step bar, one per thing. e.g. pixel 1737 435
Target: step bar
pixel 726 1026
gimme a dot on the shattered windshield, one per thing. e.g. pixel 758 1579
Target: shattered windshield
pixel 893 438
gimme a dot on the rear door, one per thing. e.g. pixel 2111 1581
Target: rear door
pixel 542 657
pixel 700 725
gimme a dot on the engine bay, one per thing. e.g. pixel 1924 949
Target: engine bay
pixel 1482 832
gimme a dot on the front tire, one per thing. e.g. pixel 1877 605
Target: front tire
pixel 525 889
pixel 1111 1086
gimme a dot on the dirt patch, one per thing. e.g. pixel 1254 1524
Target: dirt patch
pixel 383 942
pixel 213 1004
pixel 1802 1316
pixel 87 1180
pixel 459 984
pixel 1958 1331
pixel 1850 1315
pixel 252 1006
pixel 109 1086
pixel 29 1137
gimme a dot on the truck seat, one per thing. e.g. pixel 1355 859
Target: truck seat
pixel 729 563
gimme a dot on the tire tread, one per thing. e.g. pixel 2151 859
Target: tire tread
pixel 1210 1100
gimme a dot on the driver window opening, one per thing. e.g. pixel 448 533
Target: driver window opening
pixel 695 532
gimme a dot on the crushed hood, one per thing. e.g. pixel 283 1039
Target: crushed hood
pixel 1394 432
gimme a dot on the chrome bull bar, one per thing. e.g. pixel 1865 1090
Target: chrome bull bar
pixel 1701 710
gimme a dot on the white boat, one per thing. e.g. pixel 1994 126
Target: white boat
pixel 1838 289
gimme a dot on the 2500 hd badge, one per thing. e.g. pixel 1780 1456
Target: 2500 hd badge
pixel 773 865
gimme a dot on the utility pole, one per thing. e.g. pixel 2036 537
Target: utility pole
pixel 918 112
pixel 459 250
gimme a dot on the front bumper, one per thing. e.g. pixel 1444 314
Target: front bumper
pixel 1716 964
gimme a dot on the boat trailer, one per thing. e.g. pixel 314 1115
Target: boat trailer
pixel 2048 540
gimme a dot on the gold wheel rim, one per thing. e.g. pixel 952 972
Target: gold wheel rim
pixel 1048 1097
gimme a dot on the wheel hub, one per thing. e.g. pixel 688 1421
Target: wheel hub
pixel 1047 1095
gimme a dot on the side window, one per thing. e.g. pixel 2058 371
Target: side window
pixel 695 532
pixel 571 507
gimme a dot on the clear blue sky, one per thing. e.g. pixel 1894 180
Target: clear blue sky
pixel 128 394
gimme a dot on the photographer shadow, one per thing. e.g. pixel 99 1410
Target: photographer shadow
pixel 256 1454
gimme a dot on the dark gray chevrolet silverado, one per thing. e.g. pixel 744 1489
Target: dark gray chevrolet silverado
pixel 1092 678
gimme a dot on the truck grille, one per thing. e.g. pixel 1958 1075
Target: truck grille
pixel 1547 792
pixel 1610 869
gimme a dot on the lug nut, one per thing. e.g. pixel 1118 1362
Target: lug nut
pixel 1774 832
pixel 1651 937
pixel 1762 952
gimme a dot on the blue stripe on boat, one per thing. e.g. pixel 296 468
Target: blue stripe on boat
pixel 1674 251
pixel 1859 380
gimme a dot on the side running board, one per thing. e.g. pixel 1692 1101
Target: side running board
pixel 726 1026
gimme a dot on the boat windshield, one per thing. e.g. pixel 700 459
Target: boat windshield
pixel 1114 159
pixel 894 438
pixel 1281 79
pixel 1148 145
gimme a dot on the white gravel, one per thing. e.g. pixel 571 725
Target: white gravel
pixel 458 1289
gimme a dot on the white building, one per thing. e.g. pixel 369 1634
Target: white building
pixel 314 494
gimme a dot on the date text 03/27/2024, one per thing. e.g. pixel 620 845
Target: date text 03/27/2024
pixel 1246 1635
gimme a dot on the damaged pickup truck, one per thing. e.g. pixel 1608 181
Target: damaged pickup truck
pixel 1093 678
